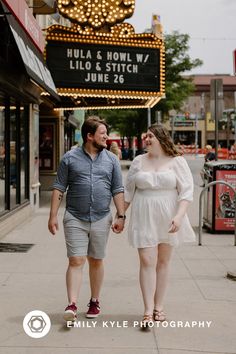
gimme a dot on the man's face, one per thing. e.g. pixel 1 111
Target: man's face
pixel 100 137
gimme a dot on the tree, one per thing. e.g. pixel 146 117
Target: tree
pixel 126 122
pixel 178 61
pixel 131 123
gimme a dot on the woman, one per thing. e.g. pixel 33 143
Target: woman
pixel 115 149
pixel 160 186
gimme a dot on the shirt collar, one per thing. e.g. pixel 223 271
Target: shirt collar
pixel 87 154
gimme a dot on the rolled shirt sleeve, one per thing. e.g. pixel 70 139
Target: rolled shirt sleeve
pixel 130 180
pixel 61 181
pixel 184 179
pixel 117 182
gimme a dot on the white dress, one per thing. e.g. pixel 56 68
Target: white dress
pixel 155 196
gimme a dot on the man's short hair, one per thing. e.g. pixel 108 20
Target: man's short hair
pixel 90 125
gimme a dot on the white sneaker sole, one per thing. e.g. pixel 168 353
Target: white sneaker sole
pixel 69 316
pixel 93 316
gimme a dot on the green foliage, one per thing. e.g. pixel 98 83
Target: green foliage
pixel 121 120
pixel 178 61
pixel 128 123
pixel 131 123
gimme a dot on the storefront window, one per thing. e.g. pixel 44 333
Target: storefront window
pixel 2 159
pixel 14 167
pixel 23 153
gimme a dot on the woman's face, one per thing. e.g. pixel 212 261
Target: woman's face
pixel 152 143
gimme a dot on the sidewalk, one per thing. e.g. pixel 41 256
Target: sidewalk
pixel 199 295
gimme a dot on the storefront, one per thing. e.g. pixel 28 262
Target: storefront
pixel 14 152
pixel 23 77
pixel 187 131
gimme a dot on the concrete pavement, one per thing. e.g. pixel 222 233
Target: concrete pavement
pixel 200 302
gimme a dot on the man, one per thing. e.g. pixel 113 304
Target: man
pixel 92 176
pixel 209 156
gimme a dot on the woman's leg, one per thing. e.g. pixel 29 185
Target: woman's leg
pixel 162 273
pixel 147 277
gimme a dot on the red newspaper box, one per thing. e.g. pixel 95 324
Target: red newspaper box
pixel 219 202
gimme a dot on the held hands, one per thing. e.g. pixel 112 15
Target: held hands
pixel 175 224
pixel 53 225
pixel 118 225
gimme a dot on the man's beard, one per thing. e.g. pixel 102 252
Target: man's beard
pixel 98 146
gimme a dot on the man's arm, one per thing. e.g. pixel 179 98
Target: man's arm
pixel 55 204
pixel 119 223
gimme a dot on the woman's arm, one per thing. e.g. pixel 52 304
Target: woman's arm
pixel 126 205
pixel 177 220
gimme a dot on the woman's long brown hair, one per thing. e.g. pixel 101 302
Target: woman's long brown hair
pixel 164 138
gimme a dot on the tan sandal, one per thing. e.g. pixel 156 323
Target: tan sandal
pixel 159 315
pixel 145 321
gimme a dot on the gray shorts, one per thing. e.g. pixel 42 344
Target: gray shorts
pixel 85 238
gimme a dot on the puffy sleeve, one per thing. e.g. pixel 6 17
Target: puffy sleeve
pixel 184 179
pixel 130 180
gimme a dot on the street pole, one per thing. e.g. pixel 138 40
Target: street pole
pixel 235 115
pixel 196 134
pixel 228 130
pixel 173 127
pixel 216 118
pixel 203 116
pixel 149 117
pixel 216 107
pixel 158 117
pixel 235 127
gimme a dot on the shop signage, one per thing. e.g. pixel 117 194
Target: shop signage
pixel 24 16
pixel 101 66
pixel 184 124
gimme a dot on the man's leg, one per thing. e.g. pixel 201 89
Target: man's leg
pixel 96 275
pixel 98 237
pixel 74 277
pixel 76 237
pixel 73 284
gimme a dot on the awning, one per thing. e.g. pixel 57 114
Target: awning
pixel 44 7
pixel 32 59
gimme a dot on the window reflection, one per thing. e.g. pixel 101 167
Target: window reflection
pixel 22 155
pixel 13 158
pixel 2 160
pixel 14 166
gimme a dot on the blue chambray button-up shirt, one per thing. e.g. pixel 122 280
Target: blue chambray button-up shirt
pixel 90 184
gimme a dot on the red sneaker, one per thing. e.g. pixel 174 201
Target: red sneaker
pixel 70 313
pixel 94 309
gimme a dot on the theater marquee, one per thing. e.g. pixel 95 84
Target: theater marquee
pixel 103 63
pixel 104 66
